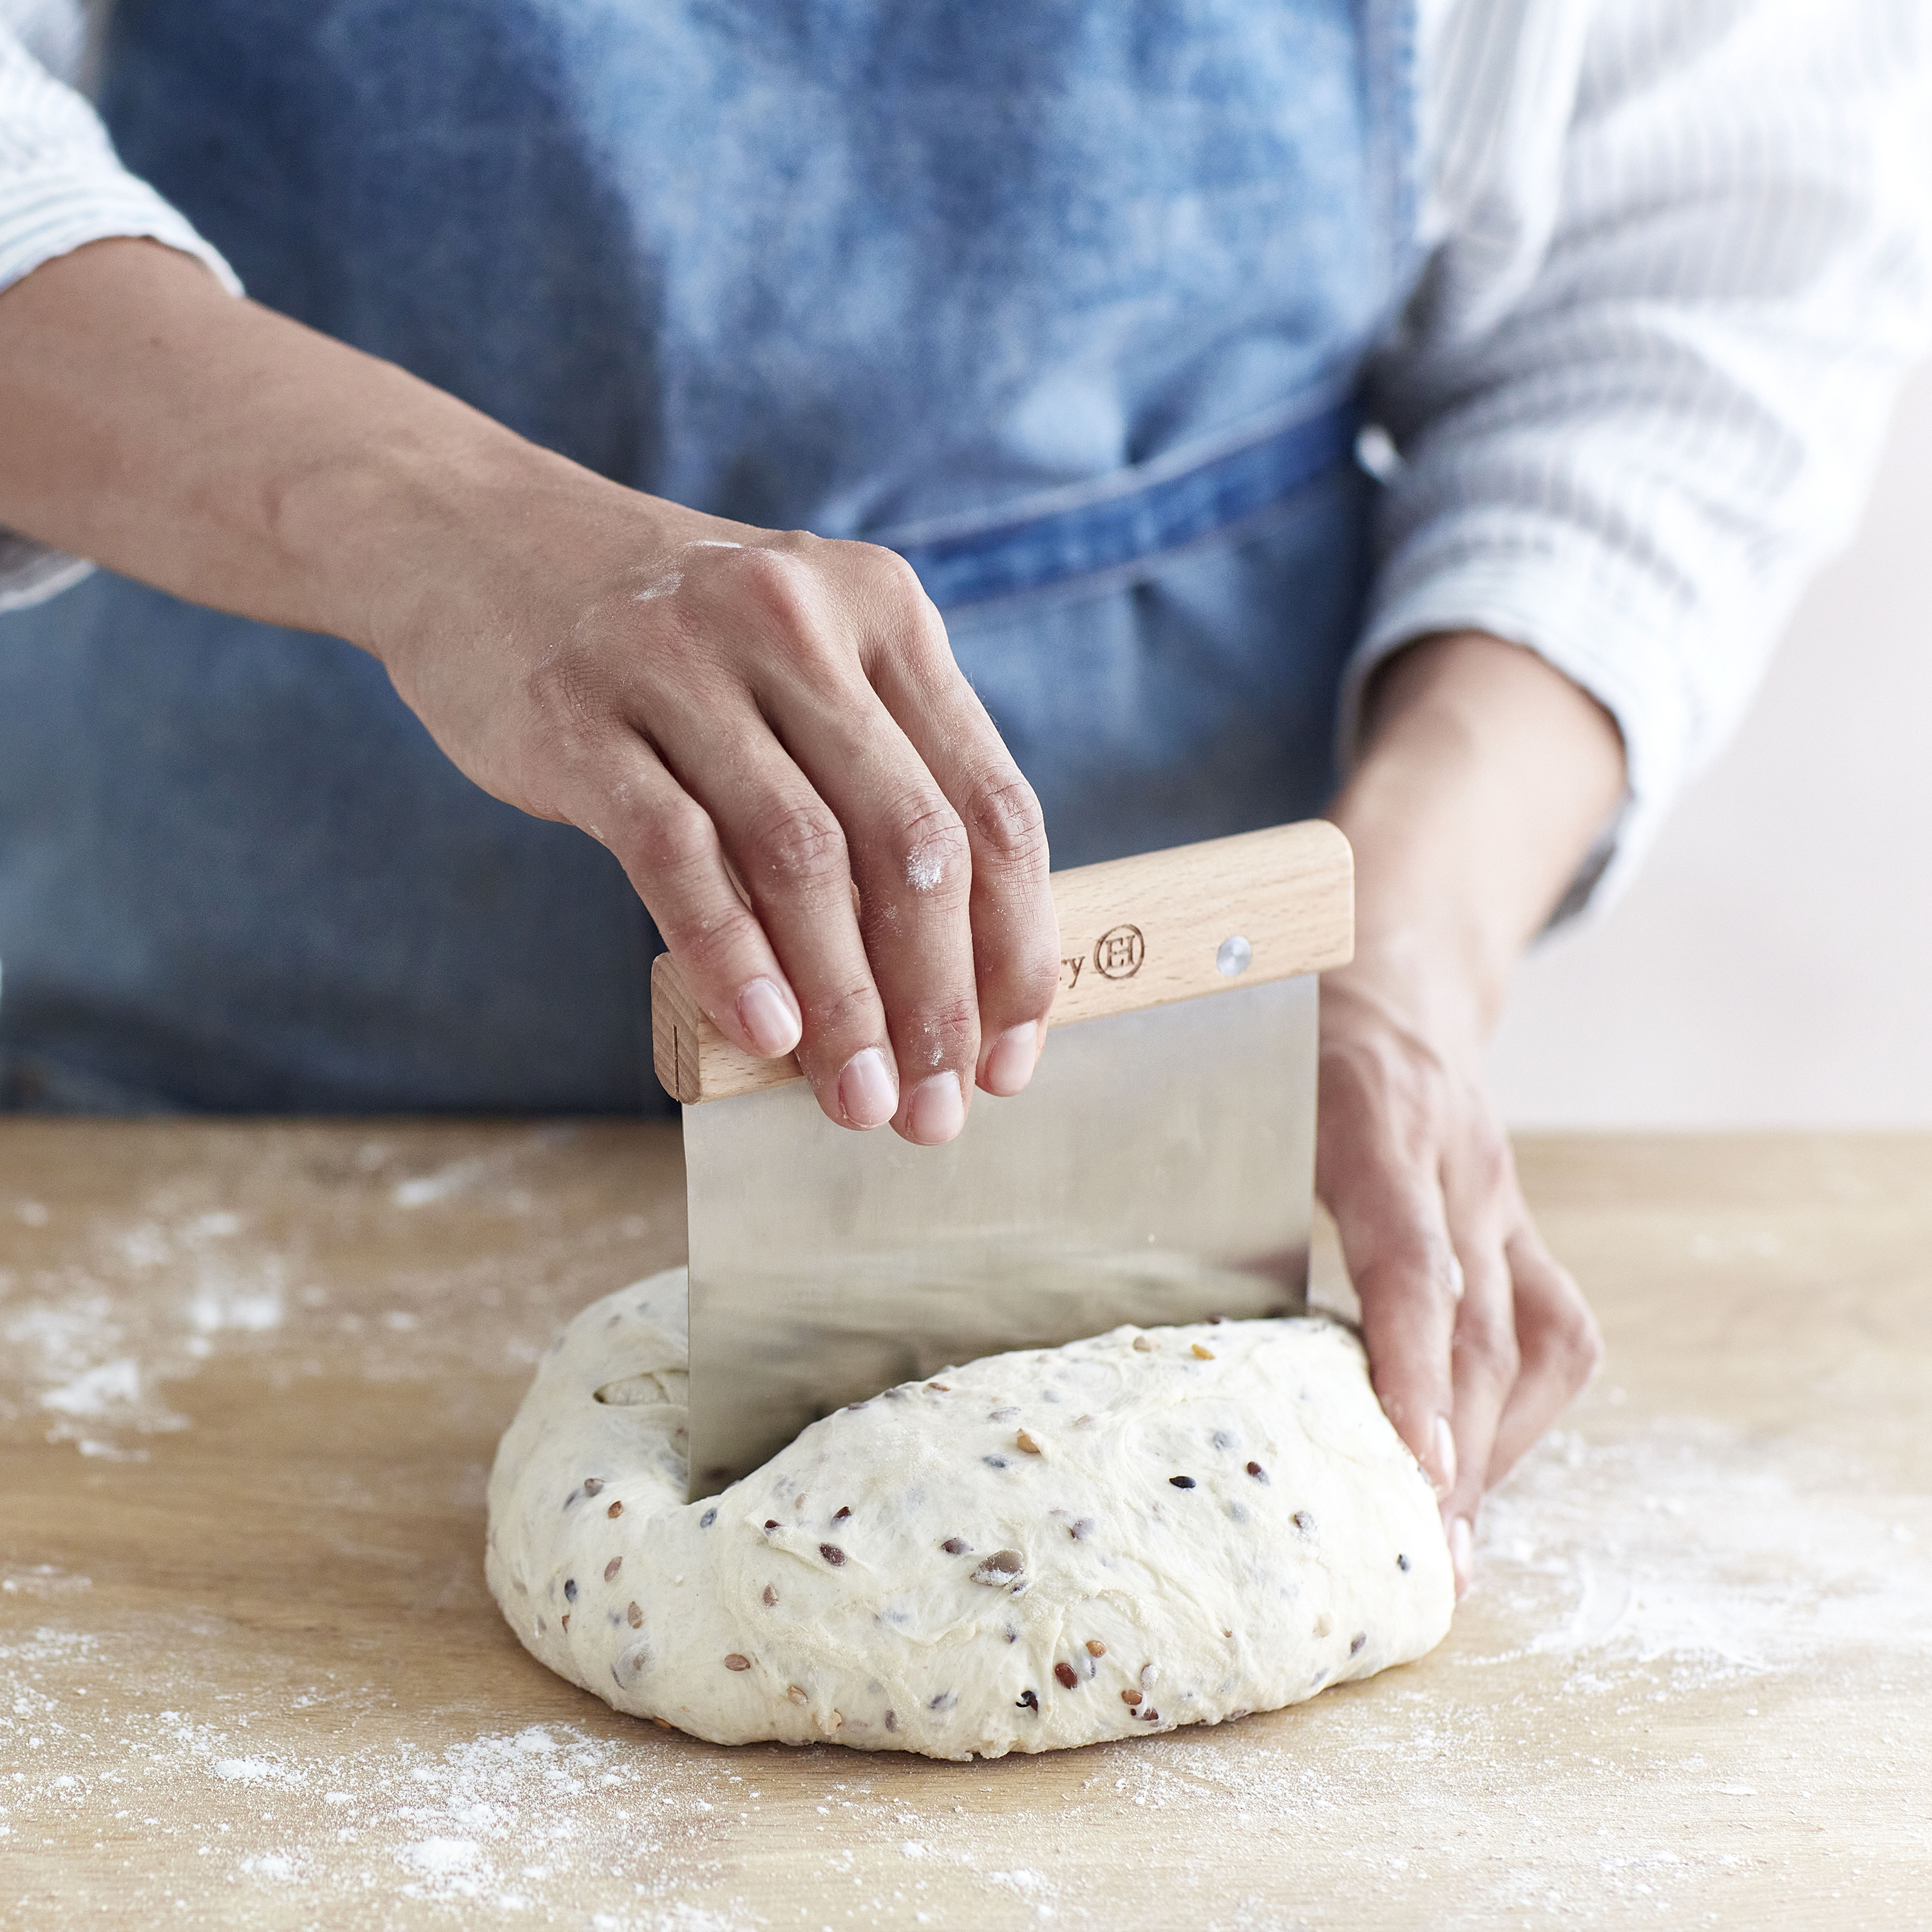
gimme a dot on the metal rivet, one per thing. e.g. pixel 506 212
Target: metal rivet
pixel 1234 956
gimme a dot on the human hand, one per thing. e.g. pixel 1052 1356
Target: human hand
pixel 1478 1338
pixel 1484 777
pixel 770 732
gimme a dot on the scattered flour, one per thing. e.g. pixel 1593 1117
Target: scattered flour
pixel 139 1300
pixel 456 1178
pixel 666 586
pixel 98 1391
pixel 1029 1886
pixel 276 1867
pixel 1677 1567
pixel 925 867
pixel 90 1344
pixel 39 1580
pixel 511 1819
pixel 1691 1546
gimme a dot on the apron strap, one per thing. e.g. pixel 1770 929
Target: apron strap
pixel 1138 514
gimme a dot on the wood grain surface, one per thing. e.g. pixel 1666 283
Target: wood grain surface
pixel 251 1377
pixel 1134 933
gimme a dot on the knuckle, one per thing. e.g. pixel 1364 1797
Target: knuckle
pixel 894 577
pixel 1487 1344
pixel 782 587
pixel 897 622
pixel 935 857
pixel 1560 1330
pixel 871 569
pixel 1006 825
pixel 1577 1344
pixel 675 840
pixel 798 846
pixel 946 1033
pixel 709 948
pixel 1486 1151
pixel 779 573
pixel 837 1015
pixel 1035 982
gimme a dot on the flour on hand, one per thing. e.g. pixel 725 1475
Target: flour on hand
pixel 1151 1528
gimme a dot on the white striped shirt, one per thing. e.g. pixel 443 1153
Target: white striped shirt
pixel 1677 260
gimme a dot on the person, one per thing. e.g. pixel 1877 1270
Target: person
pixel 824 453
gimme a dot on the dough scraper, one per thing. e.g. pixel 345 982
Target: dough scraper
pixel 1159 1168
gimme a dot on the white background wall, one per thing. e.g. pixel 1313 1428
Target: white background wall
pixel 1772 966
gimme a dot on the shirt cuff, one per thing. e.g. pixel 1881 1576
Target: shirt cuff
pixel 1614 629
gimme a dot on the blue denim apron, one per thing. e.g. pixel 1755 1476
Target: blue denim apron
pixel 1068 301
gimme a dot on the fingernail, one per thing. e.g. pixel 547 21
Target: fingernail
pixel 1445 1456
pixel 1010 1064
pixel 868 1094
pixel 1462 1554
pixel 769 1019
pixel 937 1110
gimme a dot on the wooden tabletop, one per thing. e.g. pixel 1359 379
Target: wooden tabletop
pixel 251 1377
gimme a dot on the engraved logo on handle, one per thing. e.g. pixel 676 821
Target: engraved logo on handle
pixel 1117 954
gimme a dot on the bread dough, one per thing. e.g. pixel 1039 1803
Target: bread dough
pixel 1153 1528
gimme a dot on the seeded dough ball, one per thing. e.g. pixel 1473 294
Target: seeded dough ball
pixel 1153 1528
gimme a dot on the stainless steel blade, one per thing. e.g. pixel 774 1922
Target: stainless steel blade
pixel 1158 1168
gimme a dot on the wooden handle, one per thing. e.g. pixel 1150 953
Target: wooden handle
pixel 1133 933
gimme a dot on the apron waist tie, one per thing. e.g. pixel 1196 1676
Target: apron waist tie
pixel 1137 515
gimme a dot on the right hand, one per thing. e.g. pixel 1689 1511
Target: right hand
pixel 770 733
pixel 769 730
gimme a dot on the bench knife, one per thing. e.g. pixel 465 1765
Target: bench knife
pixel 1158 1168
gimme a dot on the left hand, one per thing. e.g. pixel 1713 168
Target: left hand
pixel 1485 776
pixel 1478 1338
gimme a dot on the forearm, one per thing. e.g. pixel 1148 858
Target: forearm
pixel 1485 777
pixel 224 453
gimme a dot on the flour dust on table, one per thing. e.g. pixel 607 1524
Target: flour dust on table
pixel 1154 1528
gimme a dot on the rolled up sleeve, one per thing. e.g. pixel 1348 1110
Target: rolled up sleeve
pixel 1643 387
